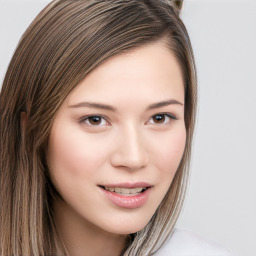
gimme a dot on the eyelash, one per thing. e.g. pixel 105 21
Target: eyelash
pixel 172 117
pixel 106 122
pixel 87 118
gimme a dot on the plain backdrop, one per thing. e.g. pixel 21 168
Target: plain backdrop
pixel 221 199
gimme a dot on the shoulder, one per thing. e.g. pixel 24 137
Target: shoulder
pixel 184 243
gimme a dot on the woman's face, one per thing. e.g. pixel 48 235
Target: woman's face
pixel 117 140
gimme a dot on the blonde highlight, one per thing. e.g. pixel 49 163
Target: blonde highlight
pixel 66 41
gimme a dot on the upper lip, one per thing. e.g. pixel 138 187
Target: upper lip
pixel 128 185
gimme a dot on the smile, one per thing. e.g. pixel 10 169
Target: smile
pixel 127 195
pixel 126 191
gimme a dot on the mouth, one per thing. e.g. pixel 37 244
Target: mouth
pixel 126 191
pixel 127 195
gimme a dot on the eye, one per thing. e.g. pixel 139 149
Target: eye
pixel 95 121
pixel 161 119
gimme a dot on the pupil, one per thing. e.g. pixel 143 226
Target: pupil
pixel 95 120
pixel 159 118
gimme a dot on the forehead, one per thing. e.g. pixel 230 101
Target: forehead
pixel 148 71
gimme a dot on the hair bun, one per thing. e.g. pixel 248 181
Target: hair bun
pixel 177 4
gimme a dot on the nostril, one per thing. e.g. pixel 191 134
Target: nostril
pixel 130 152
pixel 128 160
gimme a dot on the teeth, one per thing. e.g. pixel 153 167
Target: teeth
pixel 126 191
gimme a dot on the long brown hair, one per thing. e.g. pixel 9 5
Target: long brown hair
pixel 65 42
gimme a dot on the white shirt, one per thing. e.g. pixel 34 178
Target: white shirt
pixel 184 243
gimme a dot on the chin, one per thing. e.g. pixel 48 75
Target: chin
pixel 128 225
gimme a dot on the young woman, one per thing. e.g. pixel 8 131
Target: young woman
pixel 97 117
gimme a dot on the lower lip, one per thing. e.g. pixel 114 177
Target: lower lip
pixel 129 202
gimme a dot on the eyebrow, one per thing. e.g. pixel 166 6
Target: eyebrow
pixel 163 104
pixel 93 105
pixel 111 108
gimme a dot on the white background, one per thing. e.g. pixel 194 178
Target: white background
pixel 221 201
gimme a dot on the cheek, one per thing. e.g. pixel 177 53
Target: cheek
pixel 73 153
pixel 169 152
pixel 166 155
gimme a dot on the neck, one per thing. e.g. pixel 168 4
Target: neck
pixel 82 238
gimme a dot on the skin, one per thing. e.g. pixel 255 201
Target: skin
pixel 128 144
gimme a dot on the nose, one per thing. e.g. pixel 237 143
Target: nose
pixel 129 150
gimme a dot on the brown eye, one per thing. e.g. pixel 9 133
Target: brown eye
pixel 159 119
pixel 95 121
